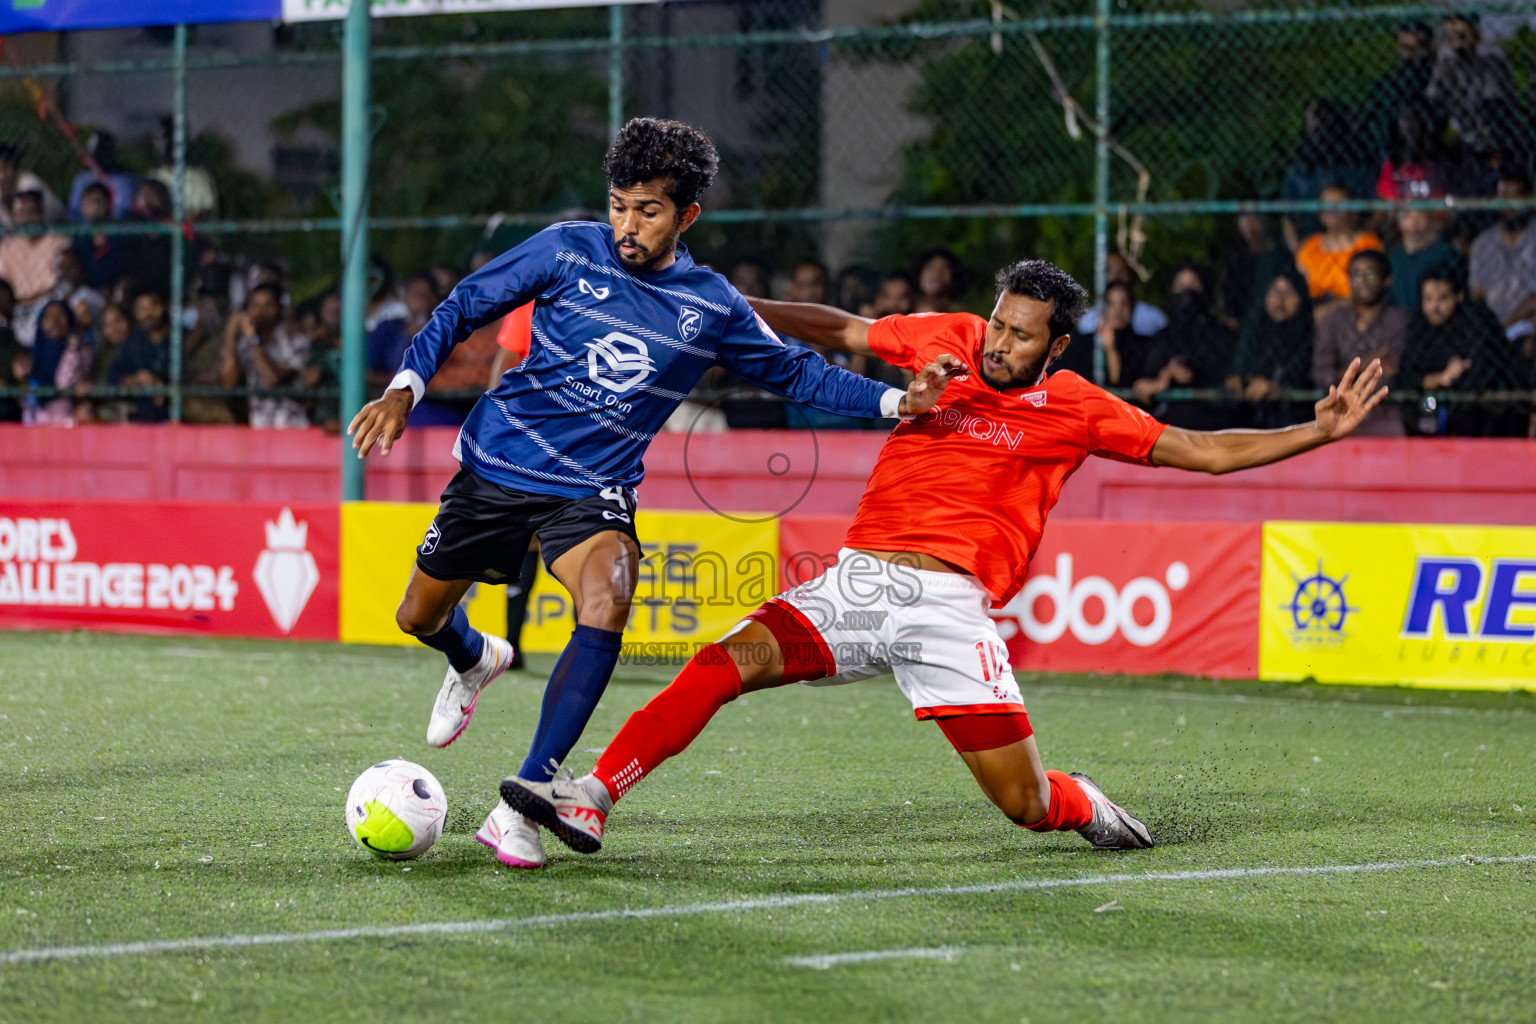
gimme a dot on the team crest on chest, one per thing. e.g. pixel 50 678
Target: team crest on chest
pixel 689 323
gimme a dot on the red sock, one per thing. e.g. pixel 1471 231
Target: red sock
pixel 671 720
pixel 1070 807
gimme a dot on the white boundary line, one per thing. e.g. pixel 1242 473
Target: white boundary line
pixel 29 956
pixel 822 963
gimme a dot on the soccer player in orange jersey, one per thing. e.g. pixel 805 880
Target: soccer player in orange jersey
pixel 952 513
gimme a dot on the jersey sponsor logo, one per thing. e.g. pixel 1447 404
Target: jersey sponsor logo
pixel 1035 398
pixel 979 427
pixel 689 323
pixel 618 362
pixel 599 292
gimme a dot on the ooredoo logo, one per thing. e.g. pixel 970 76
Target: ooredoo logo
pixel 1141 611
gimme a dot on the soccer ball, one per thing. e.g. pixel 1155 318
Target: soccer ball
pixel 396 809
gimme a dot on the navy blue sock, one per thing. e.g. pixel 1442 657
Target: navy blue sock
pixel 458 640
pixel 575 686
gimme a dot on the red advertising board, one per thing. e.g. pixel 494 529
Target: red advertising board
pixel 1107 596
pixel 235 569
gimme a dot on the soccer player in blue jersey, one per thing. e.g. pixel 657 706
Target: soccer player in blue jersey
pixel 624 324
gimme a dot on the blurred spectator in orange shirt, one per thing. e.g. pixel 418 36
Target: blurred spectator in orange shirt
pixel 1323 258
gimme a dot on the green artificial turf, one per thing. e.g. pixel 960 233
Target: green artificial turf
pixel 170 788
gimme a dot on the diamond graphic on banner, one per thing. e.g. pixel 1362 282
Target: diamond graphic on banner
pixel 285 573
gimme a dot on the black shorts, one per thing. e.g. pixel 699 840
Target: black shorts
pixel 482 530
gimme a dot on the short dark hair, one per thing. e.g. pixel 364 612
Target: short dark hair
pixel 97 186
pixel 1375 256
pixel 1425 34
pixel 1045 281
pixel 1120 286
pixel 1442 272
pixel 266 286
pixel 1512 169
pixel 656 149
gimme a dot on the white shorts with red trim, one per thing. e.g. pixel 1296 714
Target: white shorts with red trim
pixel 930 629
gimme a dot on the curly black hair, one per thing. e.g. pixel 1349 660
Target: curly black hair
pixel 653 148
pixel 1043 280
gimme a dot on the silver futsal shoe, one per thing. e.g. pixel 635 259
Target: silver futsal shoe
pixel 456 700
pixel 1112 828
pixel 563 805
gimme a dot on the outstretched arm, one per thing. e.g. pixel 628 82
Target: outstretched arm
pixel 1225 451
pixel 820 325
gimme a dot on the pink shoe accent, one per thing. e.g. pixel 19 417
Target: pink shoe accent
pixel 483 841
pixel 515 862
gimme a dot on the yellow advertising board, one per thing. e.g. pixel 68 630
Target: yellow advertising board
pixel 699 574
pixel 1442 606
pixel 378 550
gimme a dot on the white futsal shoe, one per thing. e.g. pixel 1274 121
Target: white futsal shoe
pixel 1112 827
pixel 456 700
pixel 563 805
pixel 514 838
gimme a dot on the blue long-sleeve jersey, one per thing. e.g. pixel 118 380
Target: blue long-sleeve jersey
pixel 613 355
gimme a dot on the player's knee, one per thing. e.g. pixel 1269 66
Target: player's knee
pixel 414 620
pixel 608 611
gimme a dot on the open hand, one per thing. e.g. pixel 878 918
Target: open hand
pixel 926 388
pixel 1350 400
pixel 380 422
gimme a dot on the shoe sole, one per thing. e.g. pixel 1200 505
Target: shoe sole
pixel 1137 828
pixel 469 712
pixel 531 805
pixel 505 858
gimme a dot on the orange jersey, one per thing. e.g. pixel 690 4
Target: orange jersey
pixel 516 331
pixel 972 480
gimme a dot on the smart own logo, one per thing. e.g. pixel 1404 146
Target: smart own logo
pixel 1120 612
pixel 618 362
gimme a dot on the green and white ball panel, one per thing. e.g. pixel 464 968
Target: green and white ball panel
pixel 396 810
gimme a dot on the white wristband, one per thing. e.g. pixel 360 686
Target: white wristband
pixel 409 379
pixel 890 404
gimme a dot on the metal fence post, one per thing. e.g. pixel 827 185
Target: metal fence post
pixel 356 134
pixel 1101 169
pixel 615 70
pixel 178 216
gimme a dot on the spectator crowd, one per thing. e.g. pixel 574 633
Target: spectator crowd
pixel 1446 300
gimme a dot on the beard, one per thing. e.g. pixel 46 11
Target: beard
pixel 647 260
pixel 1026 378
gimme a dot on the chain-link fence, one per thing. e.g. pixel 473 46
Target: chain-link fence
pixel 1177 159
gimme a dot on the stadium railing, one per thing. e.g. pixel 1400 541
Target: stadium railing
pixel 1067 131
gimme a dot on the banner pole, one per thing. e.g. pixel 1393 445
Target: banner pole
pixel 355 141
pixel 178 266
